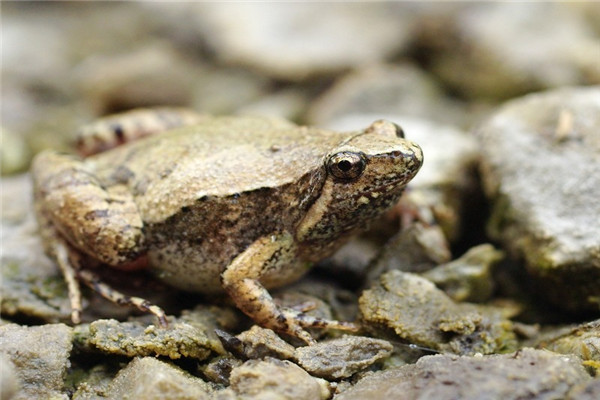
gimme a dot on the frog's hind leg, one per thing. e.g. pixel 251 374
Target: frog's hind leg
pixel 270 255
pixel 93 281
pixel 69 262
pixel 114 130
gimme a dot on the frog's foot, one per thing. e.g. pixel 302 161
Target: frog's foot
pixel 94 282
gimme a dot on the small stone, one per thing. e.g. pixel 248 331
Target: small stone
pixel 468 278
pixel 40 356
pixel 91 383
pixel 133 339
pixel 342 357
pixel 421 314
pixel 259 343
pixel 540 163
pixel 528 373
pixel 417 248
pixel 151 379
pixel 219 369
pixel 276 379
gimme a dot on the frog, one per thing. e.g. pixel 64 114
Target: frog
pixel 228 204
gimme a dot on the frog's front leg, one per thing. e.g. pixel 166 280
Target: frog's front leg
pixel 78 215
pixel 269 256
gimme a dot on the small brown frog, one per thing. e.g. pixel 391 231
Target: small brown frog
pixel 239 204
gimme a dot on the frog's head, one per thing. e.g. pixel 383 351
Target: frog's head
pixel 366 174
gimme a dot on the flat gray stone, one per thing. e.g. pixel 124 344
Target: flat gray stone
pixel 40 356
pixel 416 311
pixel 501 56
pixel 342 357
pixel 32 285
pixel 540 163
pixel 298 40
pixel 399 89
pixel 149 378
pixel 274 379
pixel 526 374
pixel 468 278
pixel 133 339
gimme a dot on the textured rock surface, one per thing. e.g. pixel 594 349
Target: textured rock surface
pixel 418 312
pixel 342 357
pixel 149 378
pixel 468 278
pixel 502 56
pixel 541 157
pixel 294 41
pixel 274 379
pixel 527 374
pixel 40 356
pixel 132 339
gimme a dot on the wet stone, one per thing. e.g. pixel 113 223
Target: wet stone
pixel 528 373
pixel 468 278
pixel 274 379
pixel 342 357
pixel 40 356
pixel 149 378
pixel 133 339
pixel 416 311
pixel 541 157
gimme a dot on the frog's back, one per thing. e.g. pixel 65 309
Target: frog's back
pixel 221 157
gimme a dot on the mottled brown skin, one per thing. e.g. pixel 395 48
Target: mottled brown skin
pixel 240 204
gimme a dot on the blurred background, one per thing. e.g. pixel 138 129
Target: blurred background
pixel 64 64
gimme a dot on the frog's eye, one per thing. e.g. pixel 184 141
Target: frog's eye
pixel 399 131
pixel 346 165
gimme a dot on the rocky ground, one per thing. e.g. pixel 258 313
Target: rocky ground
pixel 492 292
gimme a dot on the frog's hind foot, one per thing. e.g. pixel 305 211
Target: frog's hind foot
pixel 93 281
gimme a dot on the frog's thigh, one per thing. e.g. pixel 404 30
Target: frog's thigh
pixel 103 223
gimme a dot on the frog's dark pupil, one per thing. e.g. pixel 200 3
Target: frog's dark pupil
pixel 345 165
